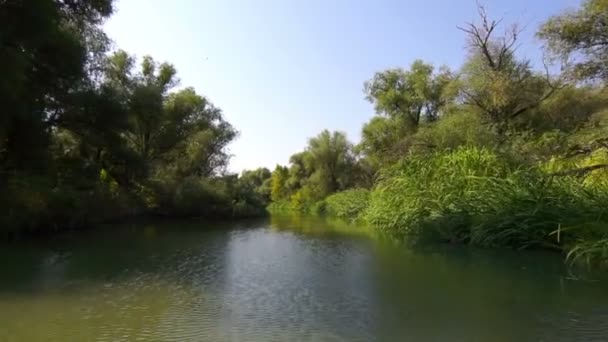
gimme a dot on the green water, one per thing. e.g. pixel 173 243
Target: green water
pixel 286 279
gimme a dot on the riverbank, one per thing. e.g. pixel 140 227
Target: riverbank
pixel 36 207
pixel 474 197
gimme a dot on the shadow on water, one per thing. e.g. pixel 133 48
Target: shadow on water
pixel 286 278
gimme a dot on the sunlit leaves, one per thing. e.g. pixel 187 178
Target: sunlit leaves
pixel 411 95
pixel 584 34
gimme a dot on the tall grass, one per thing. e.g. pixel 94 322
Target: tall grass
pixel 347 204
pixel 473 196
pixel 433 194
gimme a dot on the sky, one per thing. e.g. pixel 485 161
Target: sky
pixel 284 70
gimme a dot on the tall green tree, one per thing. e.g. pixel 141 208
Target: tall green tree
pixel 330 160
pixel 256 185
pixel 584 33
pixel 278 186
pixel 46 47
pixel 383 140
pixel 175 132
pixel 410 95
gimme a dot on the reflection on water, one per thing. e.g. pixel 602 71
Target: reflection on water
pixel 286 279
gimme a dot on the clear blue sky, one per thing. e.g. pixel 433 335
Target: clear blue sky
pixel 284 70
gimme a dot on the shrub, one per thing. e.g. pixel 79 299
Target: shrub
pixel 318 208
pixel 454 130
pixel 304 199
pixel 34 204
pixel 347 204
pixel 279 206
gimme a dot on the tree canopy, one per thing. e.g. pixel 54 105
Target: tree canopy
pixel 584 34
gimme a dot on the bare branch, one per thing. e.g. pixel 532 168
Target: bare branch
pixel 594 145
pixel 472 98
pixel 580 171
pixel 480 35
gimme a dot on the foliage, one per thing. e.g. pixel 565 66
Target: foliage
pixel 494 81
pixel 257 183
pixel 569 109
pixel 180 133
pixel 496 155
pixel 347 204
pixel 282 206
pixel 87 136
pixel 412 96
pixel 454 130
pixel 327 165
pixel 383 141
pixel 416 190
pixel 583 33
pixel 329 160
pixel 46 49
pixel 472 196
pixel 278 186
pixel 304 199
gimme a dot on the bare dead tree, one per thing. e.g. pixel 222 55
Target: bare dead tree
pixel 481 37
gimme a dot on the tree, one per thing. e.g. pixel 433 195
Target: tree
pixel 382 140
pixel 195 135
pixel 279 189
pixel 45 48
pixel 413 95
pixel 180 133
pixel 568 109
pixel 583 33
pixel 494 81
pixel 330 161
pixel 257 183
pixel 299 170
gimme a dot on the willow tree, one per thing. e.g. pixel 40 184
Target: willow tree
pixel 403 100
pixel 168 132
pixel 584 34
pixel 494 80
pixel 331 161
pixel 410 96
pixel 383 141
pixel 278 187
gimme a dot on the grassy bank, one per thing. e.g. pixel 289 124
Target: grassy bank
pixel 471 196
pixel 475 196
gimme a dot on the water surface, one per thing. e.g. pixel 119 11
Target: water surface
pixel 287 279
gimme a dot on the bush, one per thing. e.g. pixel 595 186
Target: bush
pixel 454 130
pixel 347 204
pixel 206 197
pixel 199 197
pixel 303 200
pixel 318 208
pixel 282 206
pixel 35 204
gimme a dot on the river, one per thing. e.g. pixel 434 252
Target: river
pixel 287 279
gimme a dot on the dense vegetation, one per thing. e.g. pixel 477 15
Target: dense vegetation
pixel 88 134
pixel 497 153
